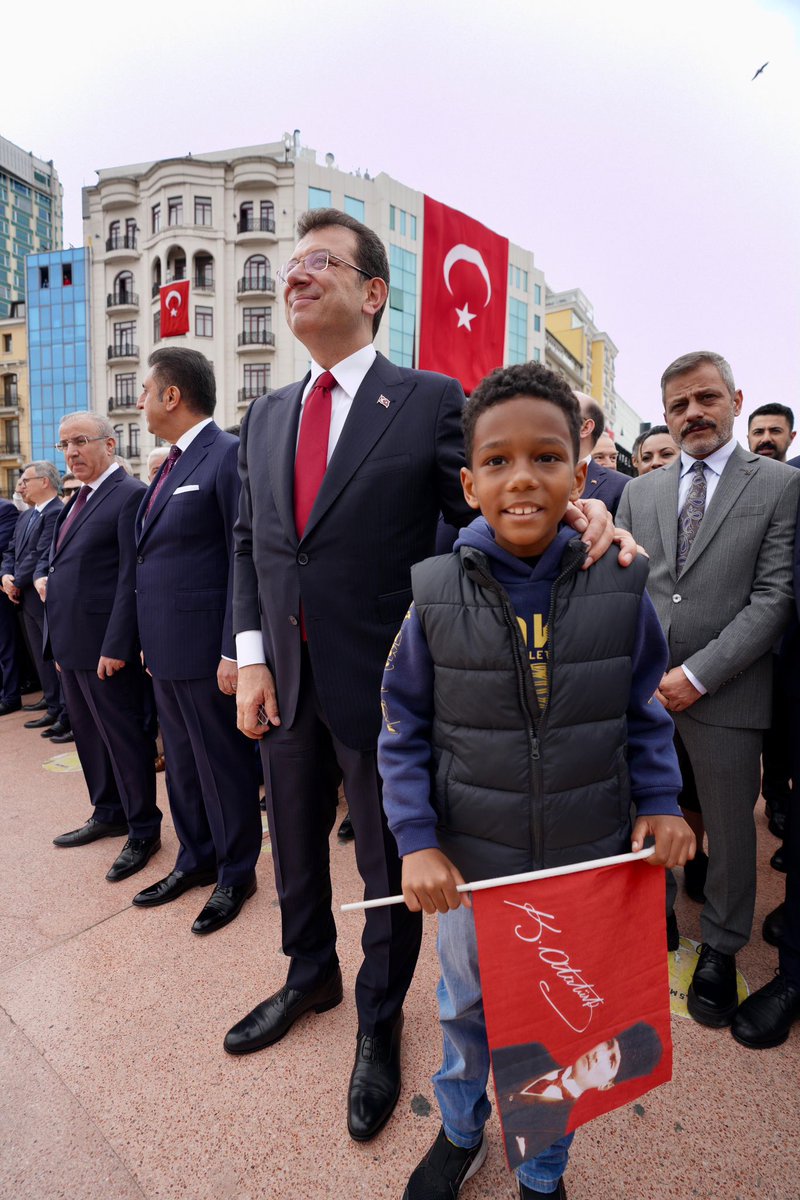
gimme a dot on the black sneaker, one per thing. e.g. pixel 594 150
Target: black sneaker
pixel 527 1193
pixel 444 1168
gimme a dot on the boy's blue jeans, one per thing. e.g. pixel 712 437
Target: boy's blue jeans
pixel 460 1084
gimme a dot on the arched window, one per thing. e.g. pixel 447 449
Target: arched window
pixel 256 272
pixel 123 287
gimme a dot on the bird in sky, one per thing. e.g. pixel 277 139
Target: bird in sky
pixel 758 72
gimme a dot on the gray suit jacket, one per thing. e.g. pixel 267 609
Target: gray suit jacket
pixel 734 596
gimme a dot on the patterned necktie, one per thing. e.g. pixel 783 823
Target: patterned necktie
pixel 34 521
pixel 312 449
pixel 173 456
pixel 691 515
pixel 78 505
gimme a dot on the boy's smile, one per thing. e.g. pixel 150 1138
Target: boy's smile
pixel 523 472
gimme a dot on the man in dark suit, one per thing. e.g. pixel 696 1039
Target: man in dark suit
pixel 86 580
pixel 38 485
pixel 601 482
pixel 10 699
pixel 184 544
pixel 336 506
pixel 719 528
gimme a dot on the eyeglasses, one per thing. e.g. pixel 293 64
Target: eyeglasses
pixel 317 261
pixel 78 442
pixel 23 483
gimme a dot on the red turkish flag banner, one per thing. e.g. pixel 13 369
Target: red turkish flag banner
pixel 464 288
pixel 175 308
pixel 575 981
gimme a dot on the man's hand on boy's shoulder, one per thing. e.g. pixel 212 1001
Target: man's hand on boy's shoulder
pixel 430 881
pixel 592 520
pixel 675 842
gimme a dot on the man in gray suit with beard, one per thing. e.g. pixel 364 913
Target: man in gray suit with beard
pixel 719 528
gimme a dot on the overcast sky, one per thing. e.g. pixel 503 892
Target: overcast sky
pixel 624 143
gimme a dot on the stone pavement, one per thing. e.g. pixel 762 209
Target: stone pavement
pixel 114 1084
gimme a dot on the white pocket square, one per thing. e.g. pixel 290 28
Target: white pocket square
pixel 187 487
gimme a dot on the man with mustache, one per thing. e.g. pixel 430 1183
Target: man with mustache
pixel 770 431
pixel 719 526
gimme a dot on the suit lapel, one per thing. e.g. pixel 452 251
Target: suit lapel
pixel 183 468
pixel 25 532
pixel 105 489
pixel 667 485
pixel 375 406
pixel 280 429
pixel 737 473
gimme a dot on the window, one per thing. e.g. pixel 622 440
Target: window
pixel 267 216
pixel 202 210
pixel 155 218
pixel 402 305
pixel 354 208
pixel 257 380
pixel 413 222
pixel 204 271
pixel 537 323
pixel 157 326
pixel 130 233
pixel 119 434
pixel 537 354
pixel 257 327
pixel 66 275
pixel 402 222
pixel 537 293
pixel 517 331
pixel 175 210
pixel 7 343
pixel 44 277
pixel 124 336
pixel 123 288
pixel 319 198
pixel 256 273
pixel 204 321
pixel 125 390
pixel 133 441
pixel 246 216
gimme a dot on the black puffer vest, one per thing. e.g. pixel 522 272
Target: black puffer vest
pixel 516 789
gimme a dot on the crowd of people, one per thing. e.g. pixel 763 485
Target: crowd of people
pixel 275 591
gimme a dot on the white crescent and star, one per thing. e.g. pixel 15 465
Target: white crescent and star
pixel 173 312
pixel 468 254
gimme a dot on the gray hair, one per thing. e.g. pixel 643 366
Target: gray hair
pixel 123 462
pixel 101 423
pixel 44 470
pixel 157 451
pixel 688 362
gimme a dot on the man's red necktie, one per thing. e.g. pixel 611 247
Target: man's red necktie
pixel 311 458
pixel 78 505
pixel 173 456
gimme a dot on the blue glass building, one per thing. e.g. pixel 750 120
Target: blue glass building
pixel 57 296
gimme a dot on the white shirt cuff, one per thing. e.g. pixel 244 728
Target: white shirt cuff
pixel 250 648
pixel 693 680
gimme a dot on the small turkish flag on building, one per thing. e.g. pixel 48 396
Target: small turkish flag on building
pixel 464 288
pixel 575 982
pixel 175 308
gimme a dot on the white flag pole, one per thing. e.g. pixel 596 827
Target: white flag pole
pixel 481 885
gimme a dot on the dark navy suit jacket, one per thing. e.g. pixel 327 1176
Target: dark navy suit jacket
pixel 25 552
pixel 184 552
pixel 395 468
pixel 603 484
pixel 8 520
pixel 91 603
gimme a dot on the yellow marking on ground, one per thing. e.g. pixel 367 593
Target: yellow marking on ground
pixel 62 764
pixel 682 963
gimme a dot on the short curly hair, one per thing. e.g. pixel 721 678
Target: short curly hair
pixel 522 379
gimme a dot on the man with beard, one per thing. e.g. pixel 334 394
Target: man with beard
pixel 719 526
pixel 770 431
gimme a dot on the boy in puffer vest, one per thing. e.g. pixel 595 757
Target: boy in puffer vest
pixel 519 725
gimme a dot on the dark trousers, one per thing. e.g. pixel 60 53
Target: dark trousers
pixel 33 613
pixel 116 753
pixel 9 671
pixel 789 953
pixel 303 767
pixel 776 756
pixel 211 779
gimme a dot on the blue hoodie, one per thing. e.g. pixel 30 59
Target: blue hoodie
pixel 404 745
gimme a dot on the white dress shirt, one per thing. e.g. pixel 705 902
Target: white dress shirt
pixel 349 374
pixel 95 484
pixel 186 439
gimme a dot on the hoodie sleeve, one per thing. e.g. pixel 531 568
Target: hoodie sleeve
pixel 652 762
pixel 404 744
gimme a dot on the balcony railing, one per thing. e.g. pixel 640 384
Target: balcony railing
pixel 123 350
pixel 11 446
pixel 130 451
pixel 203 283
pixel 257 337
pixel 115 402
pixel 10 398
pixel 255 225
pixel 257 283
pixel 121 241
pixel 122 300
pixel 246 394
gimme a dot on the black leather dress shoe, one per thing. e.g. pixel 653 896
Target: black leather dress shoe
pixel 90 832
pixel 274 1017
pixel 135 854
pixel 39 706
pixel 694 877
pixel 374 1083
pixel 223 905
pixel 61 739
pixel 8 706
pixel 774 926
pixel 42 722
pixel 777 823
pixel 778 860
pixel 345 832
pixel 765 1018
pixel 55 730
pixel 712 998
pixel 172 886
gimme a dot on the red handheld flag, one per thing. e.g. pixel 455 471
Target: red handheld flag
pixel 175 308
pixel 574 975
pixel 464 288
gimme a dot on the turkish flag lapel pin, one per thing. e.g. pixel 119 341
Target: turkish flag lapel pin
pixel 384 401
